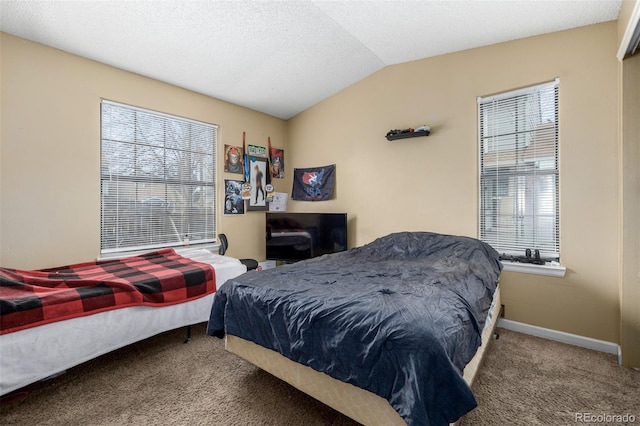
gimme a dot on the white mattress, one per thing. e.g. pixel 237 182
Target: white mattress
pixel 30 355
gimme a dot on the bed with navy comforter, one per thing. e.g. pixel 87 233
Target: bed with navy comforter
pixel 399 317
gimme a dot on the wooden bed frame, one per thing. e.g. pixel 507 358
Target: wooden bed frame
pixel 360 405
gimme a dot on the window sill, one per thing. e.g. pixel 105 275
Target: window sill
pixel 526 268
pixel 212 247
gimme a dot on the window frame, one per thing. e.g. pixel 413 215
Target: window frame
pixel 526 178
pixel 174 160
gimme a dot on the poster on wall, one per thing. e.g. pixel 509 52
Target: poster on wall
pixel 276 156
pixel 233 202
pixel 233 158
pixel 314 183
pixel 258 181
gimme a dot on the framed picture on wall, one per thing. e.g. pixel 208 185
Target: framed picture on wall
pixel 258 169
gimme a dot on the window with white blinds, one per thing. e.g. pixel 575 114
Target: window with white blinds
pixel 519 174
pixel 158 186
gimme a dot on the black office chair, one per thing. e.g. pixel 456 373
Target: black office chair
pixel 251 264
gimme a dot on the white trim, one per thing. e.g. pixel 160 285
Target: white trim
pixel 530 268
pixel 214 248
pixel 633 27
pixel 561 336
pixel 490 98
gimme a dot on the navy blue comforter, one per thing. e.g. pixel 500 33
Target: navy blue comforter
pixel 400 317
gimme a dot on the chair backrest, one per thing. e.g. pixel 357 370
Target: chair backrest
pixel 224 244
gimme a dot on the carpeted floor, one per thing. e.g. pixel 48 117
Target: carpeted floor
pixel 160 381
pixel 526 380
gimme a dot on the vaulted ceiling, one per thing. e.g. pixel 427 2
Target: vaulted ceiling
pixel 282 57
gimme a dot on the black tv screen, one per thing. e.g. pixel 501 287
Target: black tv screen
pixel 291 237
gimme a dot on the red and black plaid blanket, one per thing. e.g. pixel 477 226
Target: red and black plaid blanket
pixel 32 298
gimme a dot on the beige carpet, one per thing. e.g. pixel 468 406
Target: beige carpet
pixel 160 381
pixel 526 380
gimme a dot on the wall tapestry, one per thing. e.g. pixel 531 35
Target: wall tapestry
pixel 314 183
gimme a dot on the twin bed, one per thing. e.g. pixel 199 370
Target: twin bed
pixel 387 333
pixel 390 333
pixel 44 332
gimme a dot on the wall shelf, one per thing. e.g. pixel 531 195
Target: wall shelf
pixel 408 135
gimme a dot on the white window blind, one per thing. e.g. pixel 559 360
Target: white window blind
pixel 158 182
pixel 519 174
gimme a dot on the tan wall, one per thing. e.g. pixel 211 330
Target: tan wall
pixel 49 158
pixel 432 183
pixel 50 151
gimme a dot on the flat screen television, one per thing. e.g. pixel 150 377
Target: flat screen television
pixel 292 237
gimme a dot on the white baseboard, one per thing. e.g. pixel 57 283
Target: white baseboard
pixel 561 336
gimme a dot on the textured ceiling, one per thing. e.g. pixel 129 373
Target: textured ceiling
pixel 282 57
